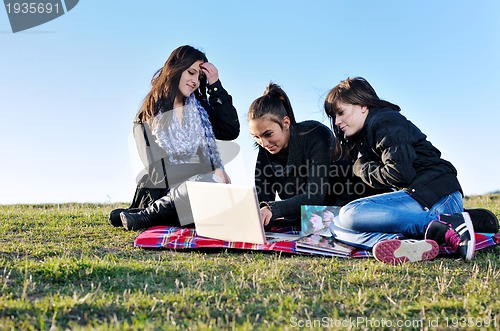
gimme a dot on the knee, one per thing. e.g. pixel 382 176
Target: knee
pixel 347 217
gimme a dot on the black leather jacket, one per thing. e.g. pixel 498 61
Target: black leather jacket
pixel 395 154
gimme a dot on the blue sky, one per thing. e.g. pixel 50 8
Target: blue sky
pixel 71 87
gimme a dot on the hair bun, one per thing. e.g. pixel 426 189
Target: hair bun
pixel 274 90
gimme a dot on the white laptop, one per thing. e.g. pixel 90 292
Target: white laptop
pixel 226 211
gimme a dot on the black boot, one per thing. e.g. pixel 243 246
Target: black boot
pixel 160 212
pixel 114 215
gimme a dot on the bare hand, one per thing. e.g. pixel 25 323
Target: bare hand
pixel 266 215
pixel 222 176
pixel 210 71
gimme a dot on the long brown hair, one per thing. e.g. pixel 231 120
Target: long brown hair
pixel 165 82
pixel 354 91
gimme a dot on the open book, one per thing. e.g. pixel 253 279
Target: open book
pixel 316 235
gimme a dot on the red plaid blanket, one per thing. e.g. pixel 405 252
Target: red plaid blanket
pixel 168 237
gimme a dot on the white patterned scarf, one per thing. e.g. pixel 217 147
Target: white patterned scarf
pixel 182 140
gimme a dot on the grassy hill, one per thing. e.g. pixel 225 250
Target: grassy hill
pixel 63 267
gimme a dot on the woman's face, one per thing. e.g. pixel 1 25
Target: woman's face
pixel 269 134
pixel 350 118
pixel 190 80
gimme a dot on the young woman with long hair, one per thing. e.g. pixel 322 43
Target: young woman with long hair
pixel 178 128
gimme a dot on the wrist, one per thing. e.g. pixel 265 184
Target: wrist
pixel 214 87
pixel 265 204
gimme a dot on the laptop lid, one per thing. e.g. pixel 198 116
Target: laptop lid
pixel 226 212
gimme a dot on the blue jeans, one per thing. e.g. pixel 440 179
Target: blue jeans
pixel 364 222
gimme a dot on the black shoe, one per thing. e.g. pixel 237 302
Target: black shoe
pixel 160 212
pixel 134 221
pixel 114 215
pixel 483 220
pixel 456 231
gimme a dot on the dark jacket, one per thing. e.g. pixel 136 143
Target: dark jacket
pixel 301 177
pixel 397 155
pixel 221 112
pixel 152 181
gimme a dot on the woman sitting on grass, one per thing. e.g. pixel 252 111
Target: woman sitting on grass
pixel 388 151
pixel 293 160
pixel 182 126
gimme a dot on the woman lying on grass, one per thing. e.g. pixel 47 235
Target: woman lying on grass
pixel 425 208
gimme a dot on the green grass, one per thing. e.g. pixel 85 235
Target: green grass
pixel 63 267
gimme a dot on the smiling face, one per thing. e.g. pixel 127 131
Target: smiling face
pixel 269 134
pixel 189 81
pixel 350 118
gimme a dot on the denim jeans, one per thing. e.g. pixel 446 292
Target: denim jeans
pixel 366 221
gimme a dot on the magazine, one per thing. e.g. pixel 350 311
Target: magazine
pixel 317 219
pixel 321 245
pixel 272 237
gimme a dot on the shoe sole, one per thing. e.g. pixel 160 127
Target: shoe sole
pixel 125 222
pixel 471 244
pixel 395 251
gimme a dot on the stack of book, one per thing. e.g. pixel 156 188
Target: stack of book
pixel 316 237
pixel 320 245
